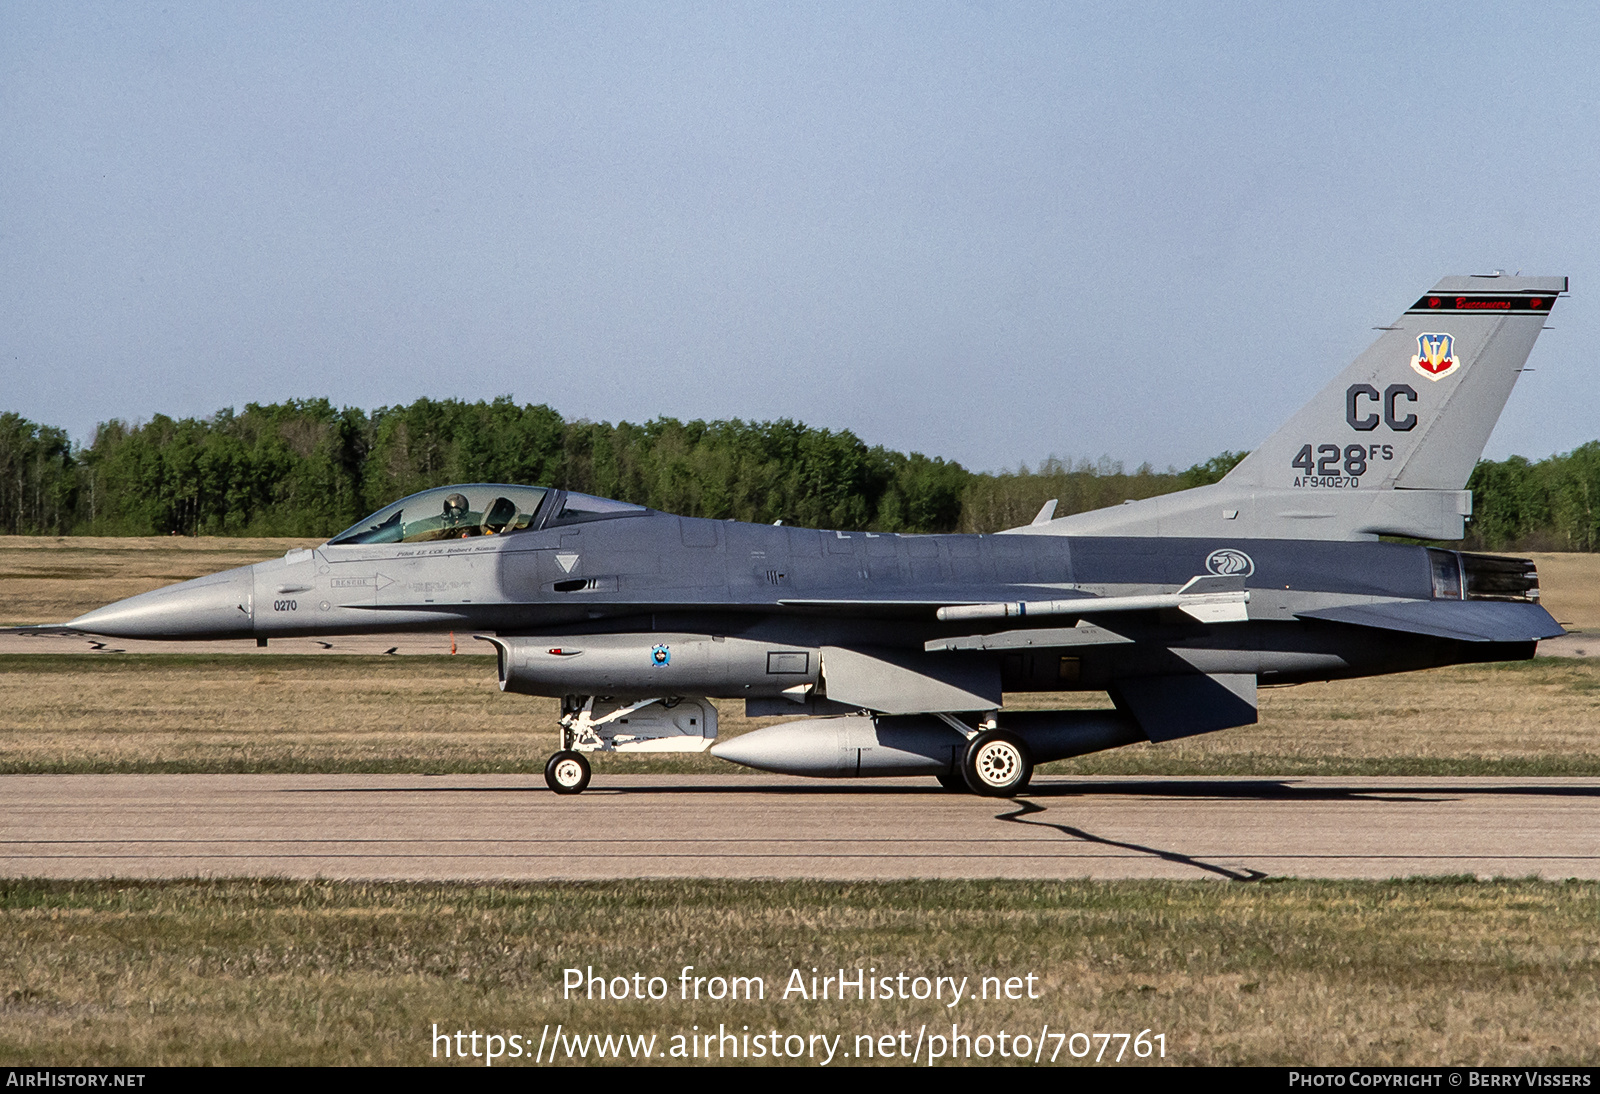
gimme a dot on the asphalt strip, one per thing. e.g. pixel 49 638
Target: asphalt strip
pixel 418 827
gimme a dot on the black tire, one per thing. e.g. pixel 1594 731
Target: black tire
pixel 567 772
pixel 997 764
pixel 952 780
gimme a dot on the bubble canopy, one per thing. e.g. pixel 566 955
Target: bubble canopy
pixel 478 509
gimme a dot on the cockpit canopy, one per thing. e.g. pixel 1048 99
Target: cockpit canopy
pixel 479 509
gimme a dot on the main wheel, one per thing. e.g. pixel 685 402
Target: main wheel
pixel 997 764
pixel 567 772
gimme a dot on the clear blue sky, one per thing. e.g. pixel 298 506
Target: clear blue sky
pixel 990 232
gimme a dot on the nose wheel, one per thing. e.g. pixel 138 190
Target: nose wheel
pixel 567 772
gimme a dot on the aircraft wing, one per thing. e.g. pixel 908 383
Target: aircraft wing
pixel 1463 620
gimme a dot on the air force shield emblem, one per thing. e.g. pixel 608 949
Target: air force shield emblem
pixel 1436 356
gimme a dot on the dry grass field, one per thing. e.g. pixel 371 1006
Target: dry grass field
pixel 1569 585
pixel 230 713
pixel 274 972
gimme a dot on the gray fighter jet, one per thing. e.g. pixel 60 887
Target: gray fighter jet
pixel 895 652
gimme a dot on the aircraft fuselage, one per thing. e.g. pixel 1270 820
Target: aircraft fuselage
pixel 658 573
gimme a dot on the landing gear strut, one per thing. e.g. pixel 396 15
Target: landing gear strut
pixel 567 772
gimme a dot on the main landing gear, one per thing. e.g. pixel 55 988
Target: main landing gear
pixel 996 764
pixel 992 764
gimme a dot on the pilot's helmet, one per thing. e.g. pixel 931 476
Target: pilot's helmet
pixel 455 508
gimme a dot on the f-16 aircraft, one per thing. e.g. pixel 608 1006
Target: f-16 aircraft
pixel 895 653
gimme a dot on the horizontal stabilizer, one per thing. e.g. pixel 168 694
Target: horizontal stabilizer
pixel 1463 620
pixel 1170 707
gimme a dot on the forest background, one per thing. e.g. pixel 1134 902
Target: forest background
pixel 305 468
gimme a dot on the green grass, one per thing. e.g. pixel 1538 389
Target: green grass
pixel 1441 971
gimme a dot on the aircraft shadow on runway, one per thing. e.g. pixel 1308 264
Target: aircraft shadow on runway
pixel 1028 811
pixel 1225 789
pixel 1022 816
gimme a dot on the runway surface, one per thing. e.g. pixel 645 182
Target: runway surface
pixel 751 826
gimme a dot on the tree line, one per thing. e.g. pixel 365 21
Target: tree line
pixel 306 468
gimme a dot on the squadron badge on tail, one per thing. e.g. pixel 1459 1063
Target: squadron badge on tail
pixel 1436 356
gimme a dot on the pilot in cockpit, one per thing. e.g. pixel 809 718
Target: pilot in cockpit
pixel 457 518
pixel 453 522
pixel 455 511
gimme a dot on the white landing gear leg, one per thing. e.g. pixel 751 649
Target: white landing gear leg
pixel 567 772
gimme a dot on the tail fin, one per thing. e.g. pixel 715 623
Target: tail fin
pixel 1383 450
pixel 1415 410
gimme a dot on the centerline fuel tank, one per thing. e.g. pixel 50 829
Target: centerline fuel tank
pixel 648 664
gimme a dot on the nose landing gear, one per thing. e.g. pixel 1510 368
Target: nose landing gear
pixel 567 772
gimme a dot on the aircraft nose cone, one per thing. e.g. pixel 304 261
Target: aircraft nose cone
pixel 218 606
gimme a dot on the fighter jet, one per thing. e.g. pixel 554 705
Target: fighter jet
pixel 895 653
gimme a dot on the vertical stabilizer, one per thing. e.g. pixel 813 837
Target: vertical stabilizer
pixel 1385 449
pixel 1415 410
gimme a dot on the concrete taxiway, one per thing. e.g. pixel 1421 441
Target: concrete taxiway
pixel 758 826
